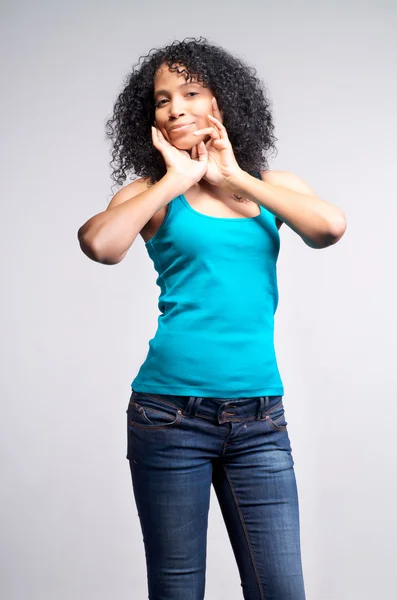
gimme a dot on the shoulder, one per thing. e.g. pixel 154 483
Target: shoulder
pixel 288 180
pixel 133 189
pixel 129 191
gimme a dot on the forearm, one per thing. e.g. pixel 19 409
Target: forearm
pixel 319 223
pixel 109 234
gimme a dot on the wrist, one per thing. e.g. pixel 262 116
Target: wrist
pixel 235 182
pixel 178 182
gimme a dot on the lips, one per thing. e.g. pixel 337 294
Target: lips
pixel 180 126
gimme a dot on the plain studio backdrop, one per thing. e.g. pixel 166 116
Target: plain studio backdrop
pixel 75 332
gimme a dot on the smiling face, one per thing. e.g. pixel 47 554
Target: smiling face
pixel 178 101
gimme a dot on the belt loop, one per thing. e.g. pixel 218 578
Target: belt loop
pixel 189 405
pixel 196 404
pixel 267 402
pixel 192 406
pixel 261 408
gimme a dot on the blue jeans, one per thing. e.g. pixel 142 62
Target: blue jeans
pixel 177 446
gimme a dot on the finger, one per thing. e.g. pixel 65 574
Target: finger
pixel 194 152
pixel 161 136
pixel 202 151
pixel 220 127
pixel 157 135
pixel 215 108
pixel 212 131
pixel 155 139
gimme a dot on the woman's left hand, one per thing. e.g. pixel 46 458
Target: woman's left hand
pixel 222 163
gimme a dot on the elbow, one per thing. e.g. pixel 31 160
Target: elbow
pixel 337 227
pixel 90 250
pixel 335 230
pixel 98 243
pixel 87 247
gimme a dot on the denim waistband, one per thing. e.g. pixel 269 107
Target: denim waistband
pixel 221 408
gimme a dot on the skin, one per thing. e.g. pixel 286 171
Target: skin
pixel 181 103
pixel 189 103
pixel 286 195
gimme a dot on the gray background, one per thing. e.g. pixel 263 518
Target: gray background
pixel 75 332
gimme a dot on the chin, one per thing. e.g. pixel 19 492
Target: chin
pixel 183 145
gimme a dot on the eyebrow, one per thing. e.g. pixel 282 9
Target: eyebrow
pixel 166 92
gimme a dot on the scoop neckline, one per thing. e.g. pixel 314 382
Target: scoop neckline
pixel 186 203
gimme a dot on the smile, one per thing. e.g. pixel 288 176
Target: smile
pixel 181 127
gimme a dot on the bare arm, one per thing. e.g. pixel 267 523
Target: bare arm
pixel 107 236
pixel 292 200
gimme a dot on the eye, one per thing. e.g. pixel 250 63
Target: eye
pixel 161 101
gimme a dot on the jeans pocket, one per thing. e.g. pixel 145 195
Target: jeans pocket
pixel 147 412
pixel 276 417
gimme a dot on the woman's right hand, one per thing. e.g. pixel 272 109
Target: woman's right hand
pixel 178 161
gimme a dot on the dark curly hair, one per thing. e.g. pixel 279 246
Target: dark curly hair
pixel 240 95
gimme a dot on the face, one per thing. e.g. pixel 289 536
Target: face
pixel 179 102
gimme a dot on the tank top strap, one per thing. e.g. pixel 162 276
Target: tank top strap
pixel 177 204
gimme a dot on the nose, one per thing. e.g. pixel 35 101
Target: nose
pixel 176 108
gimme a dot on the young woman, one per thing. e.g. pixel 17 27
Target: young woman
pixel 207 403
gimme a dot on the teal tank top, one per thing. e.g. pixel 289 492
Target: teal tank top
pixel 219 294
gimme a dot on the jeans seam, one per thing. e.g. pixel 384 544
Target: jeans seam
pixel 246 535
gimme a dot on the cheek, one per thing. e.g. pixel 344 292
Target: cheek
pixel 207 110
pixel 202 108
pixel 165 134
